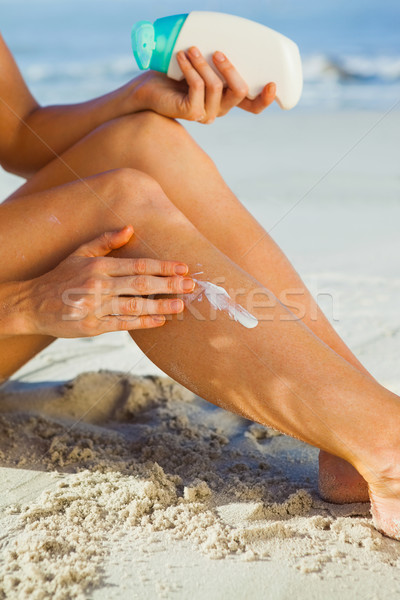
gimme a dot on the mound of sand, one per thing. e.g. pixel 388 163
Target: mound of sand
pixel 135 456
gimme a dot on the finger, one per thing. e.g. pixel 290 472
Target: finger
pixel 143 266
pixel 237 88
pixel 195 106
pixel 147 285
pixel 213 84
pixel 105 243
pixel 108 324
pixel 138 306
pixel 261 102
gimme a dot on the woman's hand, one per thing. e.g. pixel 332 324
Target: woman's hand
pixel 202 96
pixel 88 294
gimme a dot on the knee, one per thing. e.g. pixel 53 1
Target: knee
pixel 159 138
pixel 146 131
pixel 151 125
pixel 130 192
pixel 125 182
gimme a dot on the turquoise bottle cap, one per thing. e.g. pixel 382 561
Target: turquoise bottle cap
pixel 153 45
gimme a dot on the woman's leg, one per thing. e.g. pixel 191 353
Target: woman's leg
pixel 278 373
pixel 163 149
pixel 39 230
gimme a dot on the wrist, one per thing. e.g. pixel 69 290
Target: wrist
pixel 16 314
pixel 129 97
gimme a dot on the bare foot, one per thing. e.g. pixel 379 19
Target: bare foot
pixel 339 482
pixel 385 507
pixel 385 515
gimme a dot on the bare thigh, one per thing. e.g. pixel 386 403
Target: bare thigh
pixel 164 150
pixel 38 230
pixel 191 181
pixel 71 200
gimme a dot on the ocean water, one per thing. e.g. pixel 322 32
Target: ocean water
pixel 71 50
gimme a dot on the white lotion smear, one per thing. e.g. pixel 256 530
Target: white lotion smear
pixel 221 300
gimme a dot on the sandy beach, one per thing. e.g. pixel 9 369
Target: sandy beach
pixel 119 483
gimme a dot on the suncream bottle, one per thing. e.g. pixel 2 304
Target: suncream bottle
pixel 260 54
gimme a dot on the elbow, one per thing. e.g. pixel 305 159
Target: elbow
pixel 18 164
pixel 8 165
pixel 25 153
pixel 16 169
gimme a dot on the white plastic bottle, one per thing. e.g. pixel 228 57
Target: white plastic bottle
pixel 260 54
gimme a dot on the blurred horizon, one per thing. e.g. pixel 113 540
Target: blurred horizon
pixel 69 50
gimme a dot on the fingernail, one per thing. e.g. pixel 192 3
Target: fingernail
pixel 187 285
pixel 181 269
pixel 194 52
pixel 219 56
pixel 181 55
pixel 159 318
pixel 176 305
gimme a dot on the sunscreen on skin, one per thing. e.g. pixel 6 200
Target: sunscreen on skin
pixel 219 299
pixel 260 54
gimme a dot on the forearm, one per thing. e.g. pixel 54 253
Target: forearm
pixel 14 309
pixel 47 132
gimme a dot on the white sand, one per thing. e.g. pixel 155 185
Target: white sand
pixel 135 486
